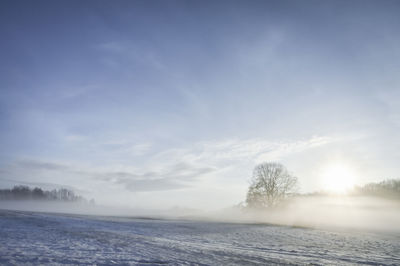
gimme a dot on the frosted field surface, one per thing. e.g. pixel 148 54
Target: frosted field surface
pixel 37 238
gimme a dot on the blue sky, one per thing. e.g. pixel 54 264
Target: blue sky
pixel 137 102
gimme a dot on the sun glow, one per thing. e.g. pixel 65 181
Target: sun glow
pixel 338 178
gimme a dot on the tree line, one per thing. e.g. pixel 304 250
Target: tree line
pixel 27 193
pixel 389 189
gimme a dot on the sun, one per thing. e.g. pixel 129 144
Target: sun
pixel 338 178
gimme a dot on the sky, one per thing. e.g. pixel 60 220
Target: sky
pixel 159 104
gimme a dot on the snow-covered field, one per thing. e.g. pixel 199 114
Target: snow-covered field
pixel 39 238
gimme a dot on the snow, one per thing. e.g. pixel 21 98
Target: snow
pixel 43 238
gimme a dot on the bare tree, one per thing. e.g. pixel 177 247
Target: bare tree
pixel 271 183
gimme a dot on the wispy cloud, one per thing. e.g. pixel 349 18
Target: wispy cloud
pixel 227 151
pixel 171 177
pixel 391 100
pixel 116 54
pixel 37 165
pixel 72 92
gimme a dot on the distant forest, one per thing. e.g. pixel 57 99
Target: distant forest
pixel 385 189
pixel 388 189
pixel 26 193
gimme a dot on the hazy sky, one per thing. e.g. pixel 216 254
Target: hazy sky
pixel 173 103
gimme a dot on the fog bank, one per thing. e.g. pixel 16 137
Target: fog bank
pixel 325 212
pixel 328 212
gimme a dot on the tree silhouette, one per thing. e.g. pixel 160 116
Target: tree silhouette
pixel 270 185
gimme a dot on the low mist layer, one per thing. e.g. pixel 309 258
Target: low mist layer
pixel 342 212
pixel 346 212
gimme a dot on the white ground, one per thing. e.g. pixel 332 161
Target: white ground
pixel 38 238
